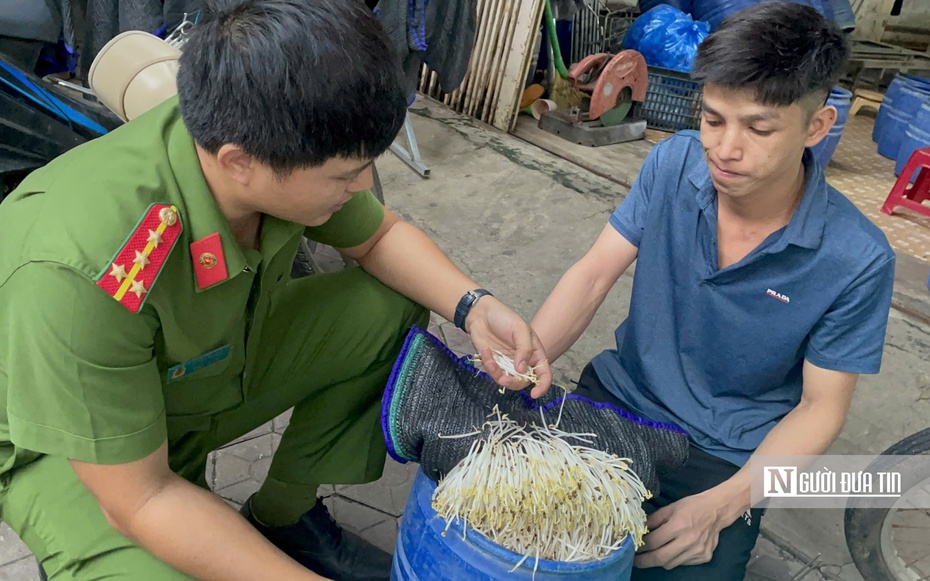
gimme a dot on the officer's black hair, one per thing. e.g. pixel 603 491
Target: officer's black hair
pixel 784 52
pixel 292 82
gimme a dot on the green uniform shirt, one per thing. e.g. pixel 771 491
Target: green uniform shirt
pixel 81 375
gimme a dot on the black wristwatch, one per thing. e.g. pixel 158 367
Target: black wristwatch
pixel 465 304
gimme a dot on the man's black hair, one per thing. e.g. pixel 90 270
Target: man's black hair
pixel 783 51
pixel 292 82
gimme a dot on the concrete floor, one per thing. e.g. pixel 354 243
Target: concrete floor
pixel 515 218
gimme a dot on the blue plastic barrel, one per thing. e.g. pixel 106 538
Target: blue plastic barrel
pixel 422 552
pixel 714 11
pixel 897 83
pixel 922 82
pixel 843 14
pixel 823 151
pixel 825 7
pixel 916 137
pixel 900 114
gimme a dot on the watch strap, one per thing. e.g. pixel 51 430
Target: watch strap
pixel 465 304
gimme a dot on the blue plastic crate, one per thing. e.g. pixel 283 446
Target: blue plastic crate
pixel 673 101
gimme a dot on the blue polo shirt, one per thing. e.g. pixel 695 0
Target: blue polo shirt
pixel 719 352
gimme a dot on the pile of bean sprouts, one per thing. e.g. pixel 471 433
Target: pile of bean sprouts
pixel 537 491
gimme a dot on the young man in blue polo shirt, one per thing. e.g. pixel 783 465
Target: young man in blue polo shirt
pixel 760 292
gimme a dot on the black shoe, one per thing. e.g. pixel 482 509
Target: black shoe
pixel 319 544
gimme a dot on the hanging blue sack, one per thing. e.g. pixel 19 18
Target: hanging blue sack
pixel 667 37
pixel 683 5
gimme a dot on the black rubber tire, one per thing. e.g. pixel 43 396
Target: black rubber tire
pixel 863 520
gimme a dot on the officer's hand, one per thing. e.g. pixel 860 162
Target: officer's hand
pixel 494 326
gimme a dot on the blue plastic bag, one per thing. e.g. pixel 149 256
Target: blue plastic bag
pixel 667 37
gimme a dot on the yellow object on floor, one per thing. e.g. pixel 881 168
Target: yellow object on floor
pixel 866 98
pixel 530 95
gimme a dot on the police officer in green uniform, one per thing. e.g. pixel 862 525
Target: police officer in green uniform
pixel 147 314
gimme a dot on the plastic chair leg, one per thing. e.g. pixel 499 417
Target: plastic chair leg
pixel 896 196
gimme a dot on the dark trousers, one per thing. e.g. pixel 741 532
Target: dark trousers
pixel 701 472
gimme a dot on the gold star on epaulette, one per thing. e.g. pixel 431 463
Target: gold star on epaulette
pixel 118 272
pixel 141 259
pixel 137 287
pixel 154 238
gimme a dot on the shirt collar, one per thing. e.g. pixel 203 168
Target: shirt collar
pixel 699 176
pixel 807 224
pixel 202 216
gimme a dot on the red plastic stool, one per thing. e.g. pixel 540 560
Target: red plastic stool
pixel 912 196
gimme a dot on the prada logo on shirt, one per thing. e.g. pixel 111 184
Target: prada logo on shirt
pixel 778 295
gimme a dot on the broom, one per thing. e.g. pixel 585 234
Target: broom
pixel 561 89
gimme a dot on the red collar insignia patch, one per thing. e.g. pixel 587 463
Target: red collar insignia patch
pixel 209 261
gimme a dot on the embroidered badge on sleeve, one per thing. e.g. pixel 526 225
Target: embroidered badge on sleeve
pixel 135 267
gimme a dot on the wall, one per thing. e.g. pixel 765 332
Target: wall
pixel 910 29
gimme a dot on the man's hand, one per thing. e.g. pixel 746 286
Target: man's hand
pixel 684 532
pixel 493 326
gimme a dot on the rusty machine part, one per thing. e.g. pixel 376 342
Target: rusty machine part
pixel 613 82
pixel 604 78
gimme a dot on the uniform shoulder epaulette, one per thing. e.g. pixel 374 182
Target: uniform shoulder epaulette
pixel 130 275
